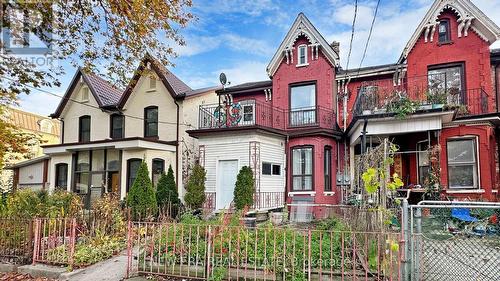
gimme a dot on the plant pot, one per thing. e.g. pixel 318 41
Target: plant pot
pixel 249 222
pixel 380 111
pixel 426 107
pixel 438 105
pixel 277 218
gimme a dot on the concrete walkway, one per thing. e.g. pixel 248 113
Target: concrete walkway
pixel 113 269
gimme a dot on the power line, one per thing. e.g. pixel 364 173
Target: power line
pixel 87 104
pixel 369 37
pixel 352 33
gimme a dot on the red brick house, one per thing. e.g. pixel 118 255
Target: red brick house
pixel 301 131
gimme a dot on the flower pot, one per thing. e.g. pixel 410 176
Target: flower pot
pixel 249 222
pixel 277 218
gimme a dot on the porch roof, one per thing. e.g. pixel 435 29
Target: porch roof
pixel 390 125
pixel 124 144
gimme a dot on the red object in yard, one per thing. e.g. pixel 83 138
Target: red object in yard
pixel 494 219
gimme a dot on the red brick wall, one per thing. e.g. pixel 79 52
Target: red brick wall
pixel 319 70
pixel 487 147
pixel 471 50
pixel 319 144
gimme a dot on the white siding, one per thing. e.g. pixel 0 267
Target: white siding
pixel 236 146
pixel 31 174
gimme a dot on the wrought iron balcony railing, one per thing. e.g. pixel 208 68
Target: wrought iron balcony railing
pixel 253 113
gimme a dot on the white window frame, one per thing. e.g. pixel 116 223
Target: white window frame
pixel 272 166
pixel 247 103
pixel 476 175
pixel 299 64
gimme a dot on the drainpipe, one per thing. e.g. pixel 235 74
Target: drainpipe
pixel 177 147
pixel 62 129
pixel 497 86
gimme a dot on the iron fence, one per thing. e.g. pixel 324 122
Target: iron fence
pixel 54 241
pixel 221 252
pixel 16 241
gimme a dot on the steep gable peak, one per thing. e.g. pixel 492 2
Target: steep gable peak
pixel 302 28
pixel 469 17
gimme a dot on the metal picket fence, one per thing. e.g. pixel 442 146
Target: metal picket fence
pixel 16 240
pixel 455 241
pixel 216 252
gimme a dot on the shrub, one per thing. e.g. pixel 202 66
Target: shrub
pixel 195 188
pixel 109 214
pixel 244 189
pixel 166 190
pixel 141 198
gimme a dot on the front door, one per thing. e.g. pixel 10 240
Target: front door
pixel 226 180
pixel 113 183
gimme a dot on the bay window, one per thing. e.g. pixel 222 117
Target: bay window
pixel 302 168
pixel 462 163
pixel 303 104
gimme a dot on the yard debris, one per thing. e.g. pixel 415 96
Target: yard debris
pixel 14 276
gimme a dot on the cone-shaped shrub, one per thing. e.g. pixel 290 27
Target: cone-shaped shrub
pixel 166 190
pixel 141 197
pixel 244 189
pixel 195 188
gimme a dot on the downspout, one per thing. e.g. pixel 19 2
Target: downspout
pixel 62 130
pixel 177 147
pixel 497 86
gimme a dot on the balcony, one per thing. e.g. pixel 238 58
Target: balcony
pixel 258 114
pixel 402 101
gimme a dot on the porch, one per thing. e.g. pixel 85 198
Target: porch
pixel 253 113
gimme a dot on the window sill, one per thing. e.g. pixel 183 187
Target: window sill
pixel 458 191
pixel 150 90
pixel 302 65
pixel 311 193
pixel 445 43
pixel 329 193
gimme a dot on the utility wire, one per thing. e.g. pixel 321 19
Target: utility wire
pixel 369 37
pixel 352 33
pixel 89 105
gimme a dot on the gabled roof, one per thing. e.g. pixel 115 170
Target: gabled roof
pixel 175 86
pixel 105 93
pixel 302 27
pixel 469 16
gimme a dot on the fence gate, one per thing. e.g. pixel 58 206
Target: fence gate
pixel 454 241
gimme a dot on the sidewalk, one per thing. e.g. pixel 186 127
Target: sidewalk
pixel 113 269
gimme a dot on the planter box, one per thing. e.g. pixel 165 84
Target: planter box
pixel 277 218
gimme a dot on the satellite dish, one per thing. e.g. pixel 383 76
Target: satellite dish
pixel 223 78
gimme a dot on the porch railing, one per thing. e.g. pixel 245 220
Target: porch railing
pixel 254 113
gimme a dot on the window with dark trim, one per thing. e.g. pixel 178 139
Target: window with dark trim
pixel 132 168
pixel 444 31
pixel 117 124
pixel 462 163
pixel 61 182
pixel 158 168
pixel 303 104
pixel 151 121
pixel 446 82
pixel 302 168
pixel 271 169
pixel 84 129
pixel 328 168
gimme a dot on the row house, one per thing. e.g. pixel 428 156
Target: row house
pixel 302 131
pixel 107 131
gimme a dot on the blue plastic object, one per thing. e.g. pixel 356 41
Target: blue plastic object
pixel 462 214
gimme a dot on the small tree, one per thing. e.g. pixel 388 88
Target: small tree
pixel 244 189
pixel 141 198
pixel 195 188
pixel 166 190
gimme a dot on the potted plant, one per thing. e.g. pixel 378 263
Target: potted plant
pixel 403 107
pixel 436 98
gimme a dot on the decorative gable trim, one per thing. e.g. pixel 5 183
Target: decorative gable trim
pixel 469 18
pixel 301 27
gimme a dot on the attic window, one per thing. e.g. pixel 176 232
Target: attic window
pixel 152 84
pixel 444 31
pixel 85 94
pixel 302 55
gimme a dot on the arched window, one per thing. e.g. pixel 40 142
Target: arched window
pixel 84 129
pixel 151 121
pixel 158 168
pixel 132 168
pixel 117 124
pixel 61 181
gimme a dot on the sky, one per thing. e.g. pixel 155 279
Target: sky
pixel 239 38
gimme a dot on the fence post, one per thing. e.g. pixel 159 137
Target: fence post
pixel 72 242
pixel 129 247
pixel 209 246
pixel 416 257
pixel 309 255
pixel 406 237
pixel 36 246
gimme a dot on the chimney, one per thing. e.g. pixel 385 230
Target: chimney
pixel 336 47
